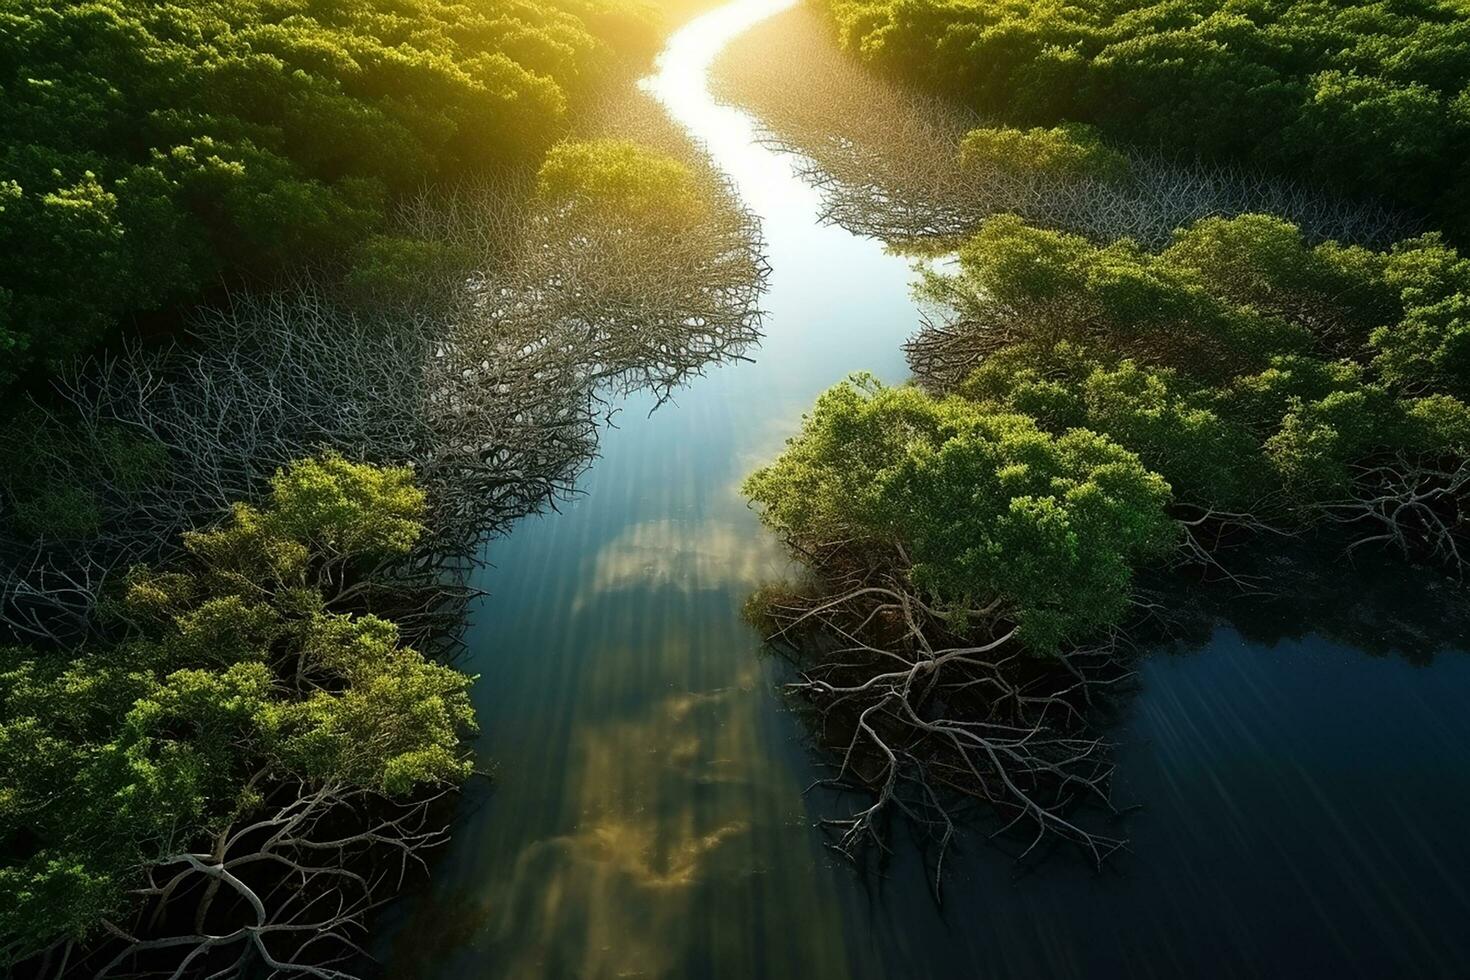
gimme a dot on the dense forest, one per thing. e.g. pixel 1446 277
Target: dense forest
pixel 1368 97
pixel 160 149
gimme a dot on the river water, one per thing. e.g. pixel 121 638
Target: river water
pixel 1304 804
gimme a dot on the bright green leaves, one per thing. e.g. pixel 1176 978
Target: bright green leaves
pixel 1226 296
pixel 1208 458
pixel 1429 348
pixel 341 507
pixel 987 506
pixel 232 677
pixel 622 182
pixel 1264 263
pixel 1071 151
pixel 109 764
pixel 385 717
pixel 322 508
pixel 178 749
pixel 219 631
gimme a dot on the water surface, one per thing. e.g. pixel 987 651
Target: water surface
pixel 1303 802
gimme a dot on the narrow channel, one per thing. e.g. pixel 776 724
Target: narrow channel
pixel 647 816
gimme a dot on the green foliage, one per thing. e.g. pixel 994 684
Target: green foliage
pixel 620 182
pixel 336 507
pixel 1208 458
pixel 1251 370
pixel 233 677
pixel 1071 150
pixel 1052 286
pixel 1370 96
pixel 987 505
pixel 1429 348
pixel 1226 297
pixel 154 146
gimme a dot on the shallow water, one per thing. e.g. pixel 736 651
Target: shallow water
pixel 1303 801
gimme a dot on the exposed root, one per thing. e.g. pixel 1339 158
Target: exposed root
pixel 282 893
pixel 933 710
pixel 1414 506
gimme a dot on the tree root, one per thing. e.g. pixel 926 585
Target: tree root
pixel 933 710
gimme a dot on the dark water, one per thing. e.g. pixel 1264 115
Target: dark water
pixel 1304 803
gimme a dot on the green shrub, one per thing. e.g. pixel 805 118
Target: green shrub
pixel 988 506
pixel 619 181
pixel 233 678
pixel 1072 151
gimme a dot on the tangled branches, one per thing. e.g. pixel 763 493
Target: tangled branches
pixel 887 159
pixel 946 349
pixel 493 389
pixel 932 709
pixel 283 892
pixel 1415 506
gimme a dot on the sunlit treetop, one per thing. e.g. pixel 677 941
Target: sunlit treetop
pixel 161 146
pixel 1072 151
pixel 621 181
pixel 989 507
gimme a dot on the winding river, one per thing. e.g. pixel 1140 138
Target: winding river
pixel 1304 803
